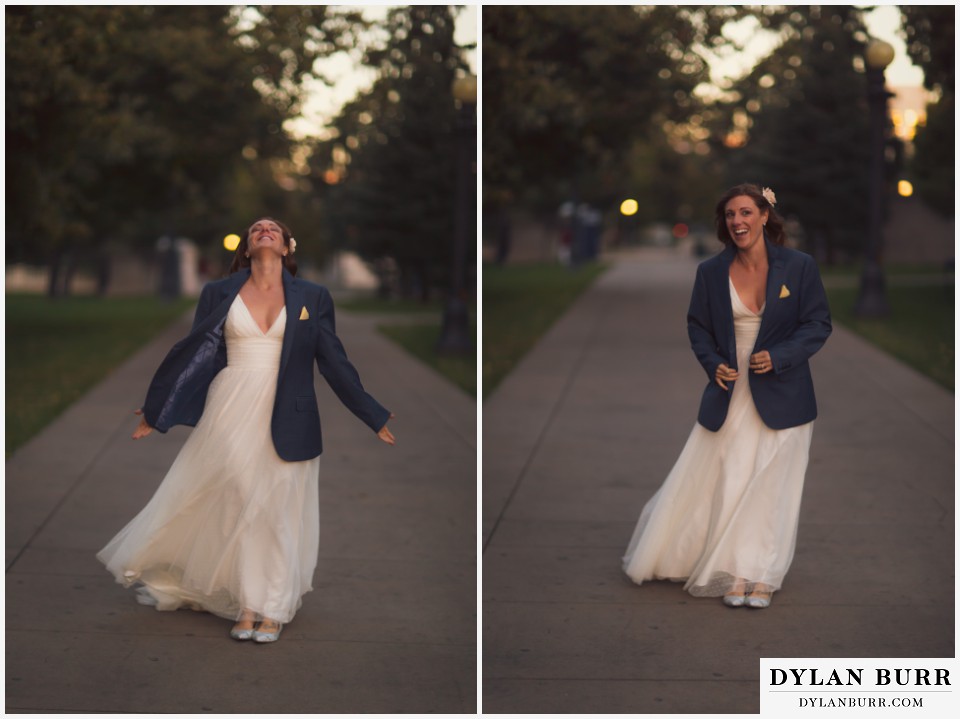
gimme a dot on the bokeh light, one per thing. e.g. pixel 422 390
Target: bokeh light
pixel 231 242
pixel 629 207
pixel 905 188
pixel 680 230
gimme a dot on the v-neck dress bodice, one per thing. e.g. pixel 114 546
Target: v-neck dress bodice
pixel 249 347
pixel 746 324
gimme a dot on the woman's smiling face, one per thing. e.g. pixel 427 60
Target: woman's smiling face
pixel 744 221
pixel 266 235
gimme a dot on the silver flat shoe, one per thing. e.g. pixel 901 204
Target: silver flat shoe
pixel 266 637
pixel 241 635
pixel 734 600
pixel 758 602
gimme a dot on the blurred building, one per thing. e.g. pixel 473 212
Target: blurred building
pixel 345 271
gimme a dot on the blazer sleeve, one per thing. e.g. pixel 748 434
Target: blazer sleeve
pixel 205 305
pixel 340 374
pixel 700 328
pixel 813 325
pixel 172 367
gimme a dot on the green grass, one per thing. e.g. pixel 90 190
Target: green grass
pixel 520 303
pixel 58 349
pixel 420 340
pixel 919 330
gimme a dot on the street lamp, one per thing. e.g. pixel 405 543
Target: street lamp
pixel 231 242
pixel 455 333
pixel 872 301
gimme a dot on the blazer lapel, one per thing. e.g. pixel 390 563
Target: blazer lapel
pixel 229 291
pixel 726 257
pixel 232 288
pixel 776 274
pixel 293 300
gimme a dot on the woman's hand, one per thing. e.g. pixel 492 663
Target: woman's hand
pixel 385 434
pixel 143 429
pixel 725 374
pixel 761 362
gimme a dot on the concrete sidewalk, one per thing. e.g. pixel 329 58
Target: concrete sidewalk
pixel 390 626
pixel 585 430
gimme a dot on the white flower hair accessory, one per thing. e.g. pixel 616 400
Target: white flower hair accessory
pixel 769 196
pixel 293 245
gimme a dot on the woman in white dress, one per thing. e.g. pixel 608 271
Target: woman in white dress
pixel 233 527
pixel 725 519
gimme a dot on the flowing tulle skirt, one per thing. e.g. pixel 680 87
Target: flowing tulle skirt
pixel 232 526
pixel 729 508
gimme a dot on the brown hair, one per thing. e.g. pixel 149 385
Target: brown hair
pixel 773 230
pixel 241 260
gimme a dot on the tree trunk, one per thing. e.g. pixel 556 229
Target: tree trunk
pixel 55 275
pixel 423 277
pixel 103 273
pixel 73 262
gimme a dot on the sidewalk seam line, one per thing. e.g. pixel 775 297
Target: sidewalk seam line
pixel 66 495
pixel 414 361
pixel 578 365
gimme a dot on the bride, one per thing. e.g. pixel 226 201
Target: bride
pixel 725 519
pixel 233 527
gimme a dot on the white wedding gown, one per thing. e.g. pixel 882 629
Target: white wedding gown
pixel 232 526
pixel 730 505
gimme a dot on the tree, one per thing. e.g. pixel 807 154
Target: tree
pixel 127 122
pixel 392 163
pixel 798 122
pixel 929 32
pixel 933 167
pixel 568 89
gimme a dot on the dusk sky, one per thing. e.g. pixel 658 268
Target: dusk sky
pixel 348 78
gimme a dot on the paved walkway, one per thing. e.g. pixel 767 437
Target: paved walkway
pixel 587 427
pixel 391 625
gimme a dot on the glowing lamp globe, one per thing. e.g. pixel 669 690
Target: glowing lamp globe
pixel 879 54
pixel 465 89
pixel 231 242
pixel 629 207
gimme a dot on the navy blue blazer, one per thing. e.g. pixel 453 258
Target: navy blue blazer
pixel 178 391
pixel 792 329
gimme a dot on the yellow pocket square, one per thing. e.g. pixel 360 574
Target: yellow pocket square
pixel 304 315
pixel 784 292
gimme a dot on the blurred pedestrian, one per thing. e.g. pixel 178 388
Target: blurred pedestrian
pixel 725 519
pixel 233 527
